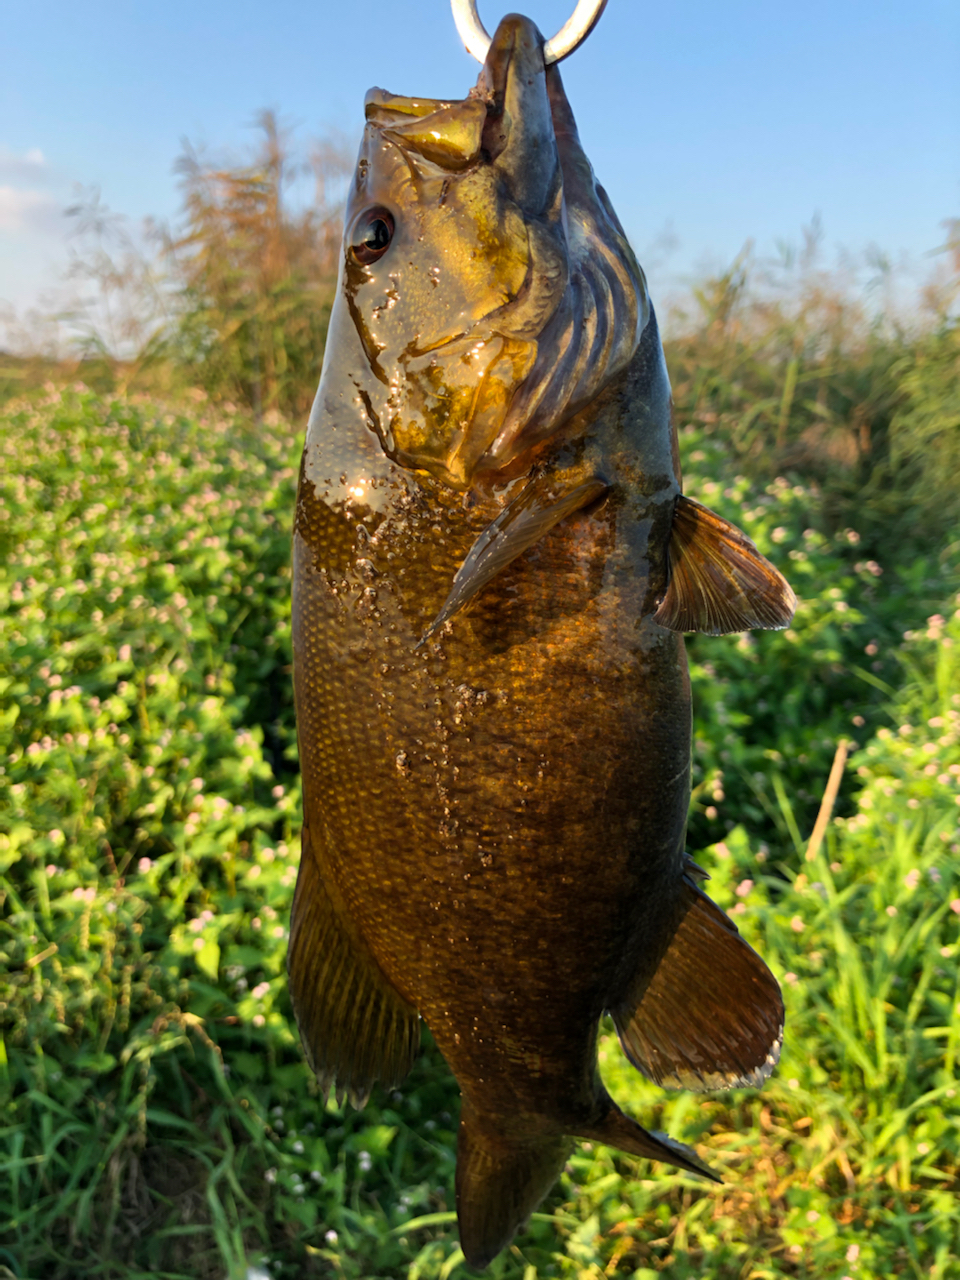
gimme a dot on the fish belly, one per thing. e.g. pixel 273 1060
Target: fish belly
pixel 501 810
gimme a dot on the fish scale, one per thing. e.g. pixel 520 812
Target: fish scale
pixel 493 563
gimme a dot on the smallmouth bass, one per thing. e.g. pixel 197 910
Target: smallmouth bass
pixel 495 797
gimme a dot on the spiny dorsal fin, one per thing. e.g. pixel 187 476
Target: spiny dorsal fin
pixel 718 580
pixel 525 521
pixel 712 1016
pixel 355 1028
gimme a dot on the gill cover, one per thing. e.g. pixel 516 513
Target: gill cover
pixel 485 274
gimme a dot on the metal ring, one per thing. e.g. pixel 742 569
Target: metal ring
pixel 570 36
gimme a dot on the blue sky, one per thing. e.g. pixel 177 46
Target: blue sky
pixel 709 124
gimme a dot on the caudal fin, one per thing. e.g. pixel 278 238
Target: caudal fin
pixel 500 1181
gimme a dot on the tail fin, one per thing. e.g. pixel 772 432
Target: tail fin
pixel 500 1181
pixel 618 1130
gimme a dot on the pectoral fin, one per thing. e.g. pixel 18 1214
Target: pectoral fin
pixel 718 580
pixel 525 521
pixel 355 1028
pixel 712 1016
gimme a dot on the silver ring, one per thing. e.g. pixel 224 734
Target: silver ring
pixel 570 36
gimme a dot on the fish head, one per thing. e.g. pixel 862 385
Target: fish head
pixel 461 273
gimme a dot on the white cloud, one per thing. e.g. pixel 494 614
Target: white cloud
pixel 33 238
pixel 24 207
pixel 30 164
pixel 28 211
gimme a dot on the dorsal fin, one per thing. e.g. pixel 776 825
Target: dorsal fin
pixel 525 521
pixel 712 1016
pixel 718 580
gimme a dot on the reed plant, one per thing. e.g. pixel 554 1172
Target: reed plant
pixel 255 274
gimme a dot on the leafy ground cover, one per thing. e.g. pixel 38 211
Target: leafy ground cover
pixel 157 1116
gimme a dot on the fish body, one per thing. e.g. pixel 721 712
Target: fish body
pixel 495 797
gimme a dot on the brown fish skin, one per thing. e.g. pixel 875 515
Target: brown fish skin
pixel 495 818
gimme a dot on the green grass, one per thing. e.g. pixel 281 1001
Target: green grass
pixel 158 1118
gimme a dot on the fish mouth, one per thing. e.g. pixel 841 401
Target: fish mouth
pixel 524 300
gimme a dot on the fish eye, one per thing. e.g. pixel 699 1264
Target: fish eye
pixel 371 234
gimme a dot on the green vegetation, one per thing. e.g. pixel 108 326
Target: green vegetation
pixel 253 277
pixel 157 1116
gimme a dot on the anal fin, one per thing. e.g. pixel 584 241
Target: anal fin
pixel 356 1030
pixel 712 1016
pixel 718 580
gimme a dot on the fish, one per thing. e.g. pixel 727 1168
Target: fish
pixel 493 568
